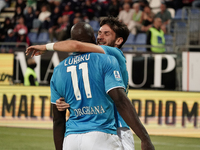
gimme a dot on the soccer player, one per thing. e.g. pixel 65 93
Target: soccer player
pixel 89 109
pixel 82 80
pixel 112 33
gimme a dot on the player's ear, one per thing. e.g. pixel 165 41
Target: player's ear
pixel 119 41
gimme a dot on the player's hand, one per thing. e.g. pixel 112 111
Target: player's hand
pixel 36 50
pixel 147 145
pixel 61 104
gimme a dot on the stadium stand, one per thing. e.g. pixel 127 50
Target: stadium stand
pixel 95 25
pixel 169 42
pixel 140 40
pixel 129 42
pixel 184 28
pixel 41 38
pixel 7 12
pixel 172 11
pixel 180 14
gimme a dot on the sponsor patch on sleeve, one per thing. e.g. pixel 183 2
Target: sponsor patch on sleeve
pixel 117 75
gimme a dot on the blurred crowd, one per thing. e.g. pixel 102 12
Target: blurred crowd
pixel 58 16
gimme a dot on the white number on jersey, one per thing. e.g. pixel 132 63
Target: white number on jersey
pixel 74 77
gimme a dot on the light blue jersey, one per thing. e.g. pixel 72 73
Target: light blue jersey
pixel 117 53
pixel 84 80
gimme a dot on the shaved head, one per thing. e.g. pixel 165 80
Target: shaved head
pixel 83 32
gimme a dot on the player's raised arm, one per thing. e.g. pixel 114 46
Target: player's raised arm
pixel 128 113
pixel 64 46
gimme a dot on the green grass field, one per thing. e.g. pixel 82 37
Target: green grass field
pixel 42 139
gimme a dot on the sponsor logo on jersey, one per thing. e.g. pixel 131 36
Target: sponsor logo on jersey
pixel 117 75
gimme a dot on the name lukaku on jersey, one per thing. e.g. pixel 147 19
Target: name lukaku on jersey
pixel 77 59
pixel 86 110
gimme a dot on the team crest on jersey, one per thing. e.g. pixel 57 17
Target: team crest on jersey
pixel 117 75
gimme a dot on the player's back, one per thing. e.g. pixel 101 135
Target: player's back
pixel 83 80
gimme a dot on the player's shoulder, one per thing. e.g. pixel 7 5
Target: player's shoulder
pixel 108 59
pixel 105 47
pixel 60 65
pixel 112 50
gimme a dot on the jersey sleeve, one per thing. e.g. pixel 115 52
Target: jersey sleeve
pixel 54 93
pixel 113 77
pixel 110 50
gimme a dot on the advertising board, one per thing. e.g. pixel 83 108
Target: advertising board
pixel 162 112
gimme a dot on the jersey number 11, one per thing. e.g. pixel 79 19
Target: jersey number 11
pixel 74 77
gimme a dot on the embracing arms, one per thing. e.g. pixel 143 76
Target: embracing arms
pixel 65 46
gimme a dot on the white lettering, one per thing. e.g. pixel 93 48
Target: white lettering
pixel 54 61
pixel 158 68
pixel 129 59
pixel 77 59
pixel 89 110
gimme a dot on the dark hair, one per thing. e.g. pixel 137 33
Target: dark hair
pixel 83 32
pixel 120 29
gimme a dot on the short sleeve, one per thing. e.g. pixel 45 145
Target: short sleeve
pixel 110 50
pixel 113 77
pixel 54 93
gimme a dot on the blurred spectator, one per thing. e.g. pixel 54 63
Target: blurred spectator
pixel 52 30
pixel 78 15
pixel 17 15
pixel 147 19
pixel 29 17
pixel 10 37
pixel 21 4
pixel 114 8
pixel 60 33
pixel 30 77
pixel 39 6
pixel 68 11
pixel 22 37
pixel 137 14
pixel 43 20
pixel 54 3
pixel 20 25
pixel 89 10
pixel 175 4
pixel 41 3
pixel 6 25
pixel 54 17
pixel 32 3
pixel 165 16
pixel 130 2
pixel 44 17
pixel 196 3
pixel 77 6
pixel 101 8
pixel 76 20
pixel 143 4
pixel 57 3
pixel 155 37
pixel 126 16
